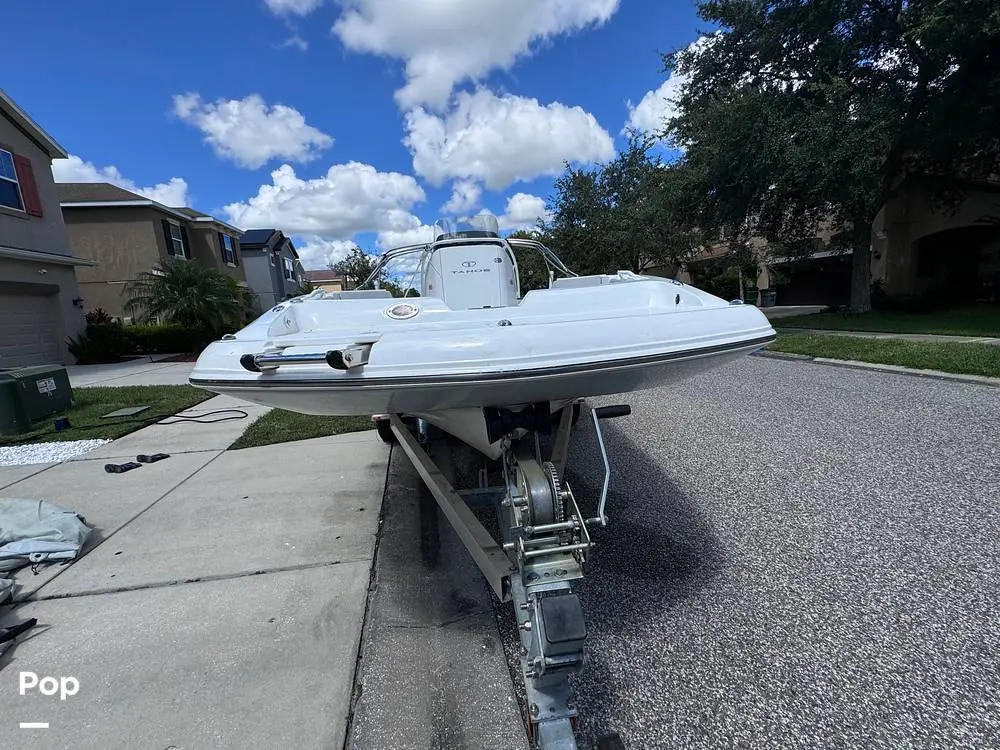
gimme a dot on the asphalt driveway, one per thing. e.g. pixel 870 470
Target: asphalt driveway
pixel 799 556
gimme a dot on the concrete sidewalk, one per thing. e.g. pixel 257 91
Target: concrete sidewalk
pixel 219 602
pixel 137 372
pixel 786 311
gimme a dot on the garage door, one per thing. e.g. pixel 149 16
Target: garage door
pixel 28 330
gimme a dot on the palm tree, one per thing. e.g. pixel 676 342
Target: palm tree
pixel 189 294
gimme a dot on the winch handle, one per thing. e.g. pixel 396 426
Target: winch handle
pixel 605 412
pixel 610 412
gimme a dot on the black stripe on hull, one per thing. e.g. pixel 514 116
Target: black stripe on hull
pixel 343 384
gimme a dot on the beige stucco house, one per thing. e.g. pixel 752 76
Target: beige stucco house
pixel 126 234
pixel 331 281
pixel 919 250
pixel 40 306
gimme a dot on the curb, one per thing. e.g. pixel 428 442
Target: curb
pixel 893 369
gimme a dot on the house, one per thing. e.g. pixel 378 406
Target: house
pixel 331 281
pixel 921 253
pixel 127 234
pixel 272 267
pixel 40 305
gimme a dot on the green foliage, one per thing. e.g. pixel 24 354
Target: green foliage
pixel 170 338
pixel 100 315
pixel 531 268
pixel 795 114
pixel 629 213
pixel 110 342
pixel 359 265
pixel 189 294
pixel 99 343
pixel 722 277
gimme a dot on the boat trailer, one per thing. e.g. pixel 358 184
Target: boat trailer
pixel 544 546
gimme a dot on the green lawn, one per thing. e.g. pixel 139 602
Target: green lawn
pixel 968 359
pixel 975 321
pixel 280 426
pixel 91 403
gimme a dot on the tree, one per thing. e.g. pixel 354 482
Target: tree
pixel 358 266
pixel 531 268
pixel 625 214
pixel 798 113
pixel 189 294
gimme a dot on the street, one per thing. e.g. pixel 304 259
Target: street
pixel 797 556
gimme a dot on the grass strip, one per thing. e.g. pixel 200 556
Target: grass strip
pixel 976 321
pixel 280 426
pixel 964 359
pixel 90 403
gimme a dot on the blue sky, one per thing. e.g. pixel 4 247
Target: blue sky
pixel 342 120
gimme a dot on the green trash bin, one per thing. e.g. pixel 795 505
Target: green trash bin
pixel 30 394
pixel 13 417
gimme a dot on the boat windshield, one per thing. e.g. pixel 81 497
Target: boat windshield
pixel 400 269
pixel 480 225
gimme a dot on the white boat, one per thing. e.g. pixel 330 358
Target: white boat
pixel 471 339
pixel 490 366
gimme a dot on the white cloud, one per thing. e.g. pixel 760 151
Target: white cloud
pixel 523 212
pixel 501 139
pixel 656 108
pixel 413 233
pixel 74 169
pixel 464 197
pixel 249 132
pixel 349 198
pixel 293 7
pixel 295 41
pixel 446 42
pixel 318 253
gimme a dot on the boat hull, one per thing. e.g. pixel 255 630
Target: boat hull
pixel 412 396
pixel 583 337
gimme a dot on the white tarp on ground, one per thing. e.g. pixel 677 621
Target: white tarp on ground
pixel 34 532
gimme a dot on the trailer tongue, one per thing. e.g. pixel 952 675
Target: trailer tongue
pixel 542 552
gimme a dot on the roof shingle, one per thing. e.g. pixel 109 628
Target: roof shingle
pixel 323 275
pixel 94 192
pixel 256 236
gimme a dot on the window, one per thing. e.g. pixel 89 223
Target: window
pixel 289 269
pixel 228 247
pixel 176 239
pixel 10 190
pixel 18 189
